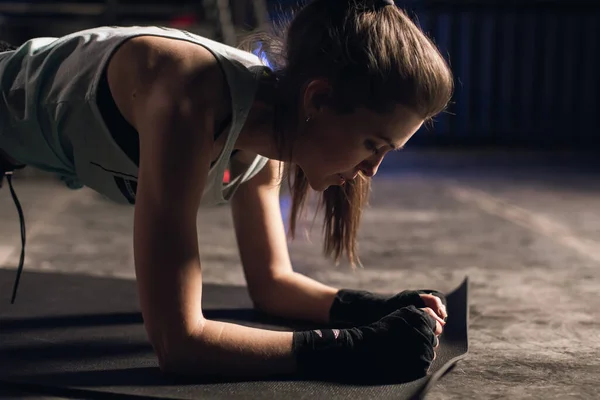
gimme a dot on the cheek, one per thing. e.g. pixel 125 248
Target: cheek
pixel 343 158
pixel 323 142
pixel 337 147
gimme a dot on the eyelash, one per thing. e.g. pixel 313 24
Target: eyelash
pixel 370 145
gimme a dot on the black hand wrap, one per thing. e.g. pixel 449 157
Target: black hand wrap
pixel 397 348
pixel 357 307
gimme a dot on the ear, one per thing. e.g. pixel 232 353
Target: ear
pixel 318 95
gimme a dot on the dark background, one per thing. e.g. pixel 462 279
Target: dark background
pixel 485 194
pixel 526 72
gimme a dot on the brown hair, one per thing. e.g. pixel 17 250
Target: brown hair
pixel 374 56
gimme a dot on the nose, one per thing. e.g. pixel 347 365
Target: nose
pixel 369 167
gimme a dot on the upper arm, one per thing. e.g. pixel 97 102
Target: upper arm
pixel 175 126
pixel 259 227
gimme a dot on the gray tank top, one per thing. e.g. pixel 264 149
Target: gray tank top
pixel 49 117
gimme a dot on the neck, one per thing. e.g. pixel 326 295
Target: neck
pixel 259 134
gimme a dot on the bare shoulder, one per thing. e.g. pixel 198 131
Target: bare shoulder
pixel 174 93
pixel 148 70
pixel 270 175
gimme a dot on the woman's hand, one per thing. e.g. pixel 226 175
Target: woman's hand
pixel 437 302
pixel 352 307
pixel 400 347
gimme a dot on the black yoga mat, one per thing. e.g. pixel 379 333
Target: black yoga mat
pixel 76 336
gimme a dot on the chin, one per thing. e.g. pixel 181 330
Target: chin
pixel 323 184
pixel 320 186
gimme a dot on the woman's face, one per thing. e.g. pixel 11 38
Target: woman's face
pixel 334 148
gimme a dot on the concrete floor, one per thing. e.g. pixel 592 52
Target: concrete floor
pixel 525 228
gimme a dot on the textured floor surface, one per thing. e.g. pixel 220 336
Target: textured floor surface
pixel 82 336
pixel 525 230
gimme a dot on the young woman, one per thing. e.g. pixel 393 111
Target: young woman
pixel 154 116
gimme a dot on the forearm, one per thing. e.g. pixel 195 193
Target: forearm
pixel 296 296
pixel 229 350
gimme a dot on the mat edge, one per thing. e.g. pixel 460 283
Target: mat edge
pixel 444 369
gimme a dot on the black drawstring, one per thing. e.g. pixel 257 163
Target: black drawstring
pixel 9 175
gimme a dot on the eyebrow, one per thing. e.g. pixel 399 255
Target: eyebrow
pixel 390 143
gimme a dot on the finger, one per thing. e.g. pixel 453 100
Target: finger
pixel 443 311
pixel 437 342
pixel 434 315
pixel 440 295
pixel 438 321
pixel 435 303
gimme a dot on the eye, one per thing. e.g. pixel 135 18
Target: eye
pixel 371 146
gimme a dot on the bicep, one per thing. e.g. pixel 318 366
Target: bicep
pixel 259 227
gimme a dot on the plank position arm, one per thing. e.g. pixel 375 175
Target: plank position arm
pixel 176 127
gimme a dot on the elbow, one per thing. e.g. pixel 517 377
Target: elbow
pixel 266 296
pixel 178 353
pixel 169 356
pixel 263 302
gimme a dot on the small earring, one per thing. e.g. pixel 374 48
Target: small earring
pixel 307 119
